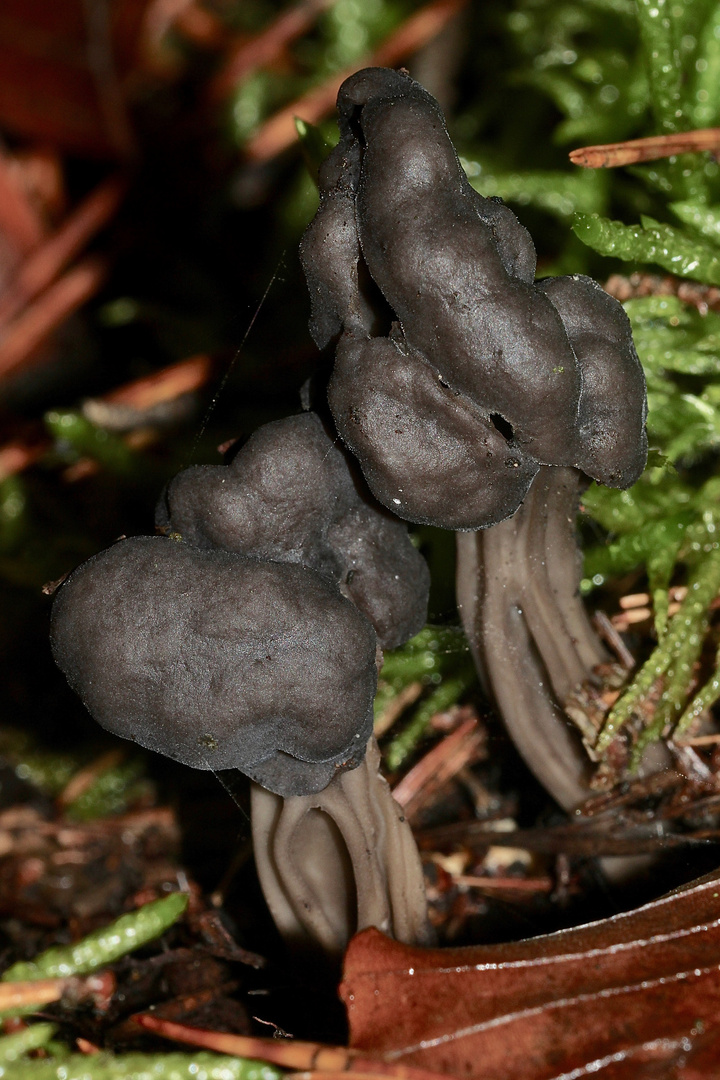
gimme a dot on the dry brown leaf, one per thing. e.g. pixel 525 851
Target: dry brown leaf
pixel 635 992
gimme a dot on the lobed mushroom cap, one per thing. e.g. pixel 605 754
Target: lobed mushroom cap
pixel 406 427
pixel 289 496
pixel 450 276
pixel 271 501
pixel 613 405
pixel 220 661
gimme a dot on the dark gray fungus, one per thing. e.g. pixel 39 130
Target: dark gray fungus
pixel 405 427
pixel 220 661
pixel 613 406
pixel 289 495
pixel 414 274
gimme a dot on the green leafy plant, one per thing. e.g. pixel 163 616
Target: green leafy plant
pixel 667 524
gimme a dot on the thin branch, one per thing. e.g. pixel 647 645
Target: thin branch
pixel 633 151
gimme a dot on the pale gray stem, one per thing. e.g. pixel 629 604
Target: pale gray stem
pixel 531 637
pixel 333 863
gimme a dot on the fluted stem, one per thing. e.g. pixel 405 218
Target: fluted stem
pixel 333 863
pixel 530 634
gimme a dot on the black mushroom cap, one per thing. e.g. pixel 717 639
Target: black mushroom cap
pixel 289 495
pixel 613 405
pixel 433 288
pixel 220 661
pixel 405 427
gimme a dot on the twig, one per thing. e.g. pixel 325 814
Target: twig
pixel 461 747
pixel 612 155
pixel 407 696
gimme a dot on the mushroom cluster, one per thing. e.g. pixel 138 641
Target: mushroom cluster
pixel 248 638
pixel 473 397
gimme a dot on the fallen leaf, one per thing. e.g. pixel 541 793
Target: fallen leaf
pixel 641 988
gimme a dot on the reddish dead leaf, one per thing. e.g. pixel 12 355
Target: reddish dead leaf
pixel 606 992
pixel 612 155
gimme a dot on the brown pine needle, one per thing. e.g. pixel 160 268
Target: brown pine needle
pixel 86 777
pixel 87 1047
pixel 633 151
pixel 266 47
pixel 24 336
pixel 699 740
pixel 509 884
pixel 47 261
pixel 634 600
pixel 279 132
pixel 162 386
pixel 439 765
pixel 19 995
pixel 311 1059
pixel 290 1054
pixel 395 708
pixel 18 219
pixel 16 456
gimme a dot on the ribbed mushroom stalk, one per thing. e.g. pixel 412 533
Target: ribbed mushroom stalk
pixel 532 640
pixel 473 397
pixel 340 860
pixel 249 638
